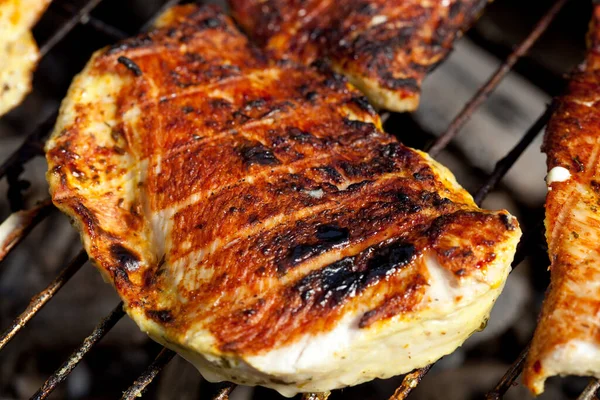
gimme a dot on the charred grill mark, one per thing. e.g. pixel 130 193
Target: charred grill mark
pixel 124 257
pixel 507 222
pixel 382 164
pixel 424 174
pixel 363 104
pixel 211 23
pixel 300 136
pixel 86 216
pixel 333 234
pixel 399 303
pixel 362 126
pixel 389 81
pixel 130 65
pixel 256 153
pixel 120 277
pixel 358 185
pixel 320 292
pixel 144 40
pixel 258 103
pixel 327 237
pixel 161 316
pixel 330 173
pixel 426 68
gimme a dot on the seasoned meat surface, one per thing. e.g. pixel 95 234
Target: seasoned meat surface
pixel 567 341
pixel 18 51
pixel 384 47
pixel 254 217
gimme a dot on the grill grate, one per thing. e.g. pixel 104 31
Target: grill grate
pixel 32 147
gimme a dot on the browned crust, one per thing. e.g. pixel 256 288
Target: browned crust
pixel 234 150
pixel 386 47
pixel 571 142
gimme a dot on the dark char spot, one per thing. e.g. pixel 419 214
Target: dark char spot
pixel 311 96
pixel 164 316
pixel 401 83
pixel 209 23
pixel 332 234
pixel 596 186
pixel 255 104
pixel 139 41
pixel 359 125
pixel 347 277
pixel 132 66
pixel 327 237
pixel 256 153
pixel 299 136
pixel 454 9
pixel 507 222
pixel 363 104
pixel 125 258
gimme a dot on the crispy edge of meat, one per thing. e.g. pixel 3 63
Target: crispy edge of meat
pixel 561 323
pixel 16 75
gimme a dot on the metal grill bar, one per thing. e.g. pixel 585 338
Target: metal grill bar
pixel 18 225
pixel 509 377
pixel 141 384
pixel 506 163
pixel 225 391
pixel 409 382
pixel 40 300
pixel 484 91
pixel 97 24
pixel 65 369
pixel 31 147
pixel 590 391
pixel 68 26
pixel 105 28
pixel 502 167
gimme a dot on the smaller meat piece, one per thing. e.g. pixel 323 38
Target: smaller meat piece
pixel 567 339
pixel 385 48
pixel 18 51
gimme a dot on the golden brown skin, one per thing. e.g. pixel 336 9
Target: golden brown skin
pixel 567 338
pixel 18 50
pixel 384 47
pixel 255 199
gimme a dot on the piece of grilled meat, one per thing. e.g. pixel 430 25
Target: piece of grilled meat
pixel 385 48
pixel 566 340
pixel 18 50
pixel 255 218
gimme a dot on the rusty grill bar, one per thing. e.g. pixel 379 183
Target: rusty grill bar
pixel 33 146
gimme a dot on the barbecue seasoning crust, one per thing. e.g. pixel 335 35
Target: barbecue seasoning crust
pixel 242 206
pixel 384 47
pixel 567 341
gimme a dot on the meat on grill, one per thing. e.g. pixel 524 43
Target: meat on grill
pixel 385 48
pixel 18 50
pixel 567 340
pixel 255 218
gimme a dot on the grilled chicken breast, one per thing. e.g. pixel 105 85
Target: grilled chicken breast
pixel 385 48
pixel 566 340
pixel 18 50
pixel 255 218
